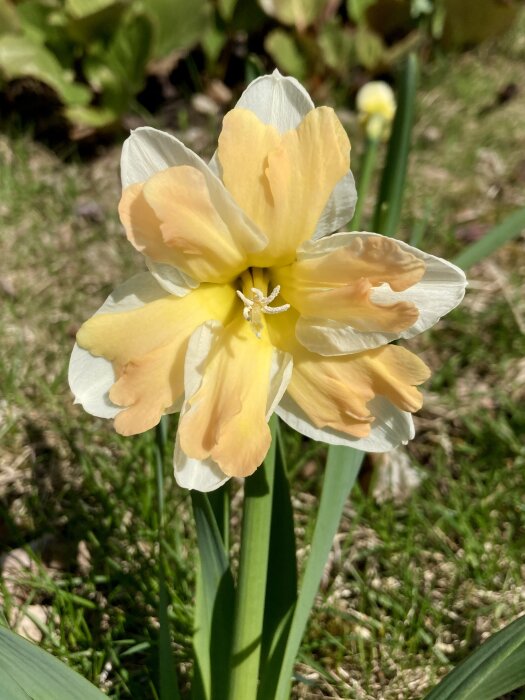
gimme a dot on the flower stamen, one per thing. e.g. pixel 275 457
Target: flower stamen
pixel 258 305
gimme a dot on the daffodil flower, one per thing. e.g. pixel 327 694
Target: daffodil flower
pixel 376 106
pixel 248 306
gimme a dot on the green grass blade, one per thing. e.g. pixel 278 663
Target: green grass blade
pixel 389 203
pixel 214 607
pixel 26 671
pixel 506 231
pixel 253 569
pixel 342 467
pixel 168 682
pixel 281 587
pixel 495 668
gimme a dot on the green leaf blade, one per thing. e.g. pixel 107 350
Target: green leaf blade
pixel 26 671
pixel 214 606
pixel 495 668
pixel 342 468
pixel 281 586
pixel 20 57
pixel 509 229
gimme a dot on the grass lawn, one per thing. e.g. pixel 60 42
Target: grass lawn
pixel 411 585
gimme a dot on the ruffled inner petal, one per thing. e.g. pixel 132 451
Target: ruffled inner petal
pixel 225 419
pixel 173 219
pixel 283 182
pixel 147 347
pixel 337 284
pixel 335 392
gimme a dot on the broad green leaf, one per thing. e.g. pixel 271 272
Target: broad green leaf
pixel 20 57
pixel 284 50
pixel 9 22
pixel 226 8
pixel 495 668
pixel 35 20
pixel 26 671
pixel 357 8
pixel 79 9
pixel 117 73
pixel 178 24
pixel 130 50
pixel 337 45
pixel 93 117
pixel 506 231
pixel 248 17
pixel 87 22
pixel 390 200
pixel 342 468
pixel 214 606
pixel 369 47
pixel 298 13
pixel 213 41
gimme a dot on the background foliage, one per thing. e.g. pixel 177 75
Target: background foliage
pixel 97 55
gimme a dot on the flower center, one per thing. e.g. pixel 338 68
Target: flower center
pixel 256 302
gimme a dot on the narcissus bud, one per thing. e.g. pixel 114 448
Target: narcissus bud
pixel 376 105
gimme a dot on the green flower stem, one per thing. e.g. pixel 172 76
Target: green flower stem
pixel 169 689
pixel 251 586
pixel 366 171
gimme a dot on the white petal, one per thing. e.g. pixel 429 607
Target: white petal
pixel 202 475
pixel 339 209
pixel 147 151
pixel 277 100
pixel 440 290
pixel 171 279
pixel 90 378
pixel 132 294
pixel 283 102
pixel 390 428
pixel 280 375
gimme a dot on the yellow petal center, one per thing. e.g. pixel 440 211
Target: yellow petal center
pixel 256 300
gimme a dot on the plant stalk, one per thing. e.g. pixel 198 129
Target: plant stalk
pixel 366 171
pixel 251 585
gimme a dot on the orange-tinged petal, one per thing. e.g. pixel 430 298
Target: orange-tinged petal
pixel 148 386
pixel 337 285
pixel 345 258
pixel 172 219
pixel 225 419
pixel 334 392
pixel 147 348
pixel 283 182
pixel 142 225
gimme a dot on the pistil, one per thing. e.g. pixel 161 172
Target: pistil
pixel 258 303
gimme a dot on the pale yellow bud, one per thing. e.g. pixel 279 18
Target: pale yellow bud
pixel 376 105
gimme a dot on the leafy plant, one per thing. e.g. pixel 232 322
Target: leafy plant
pixel 95 54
